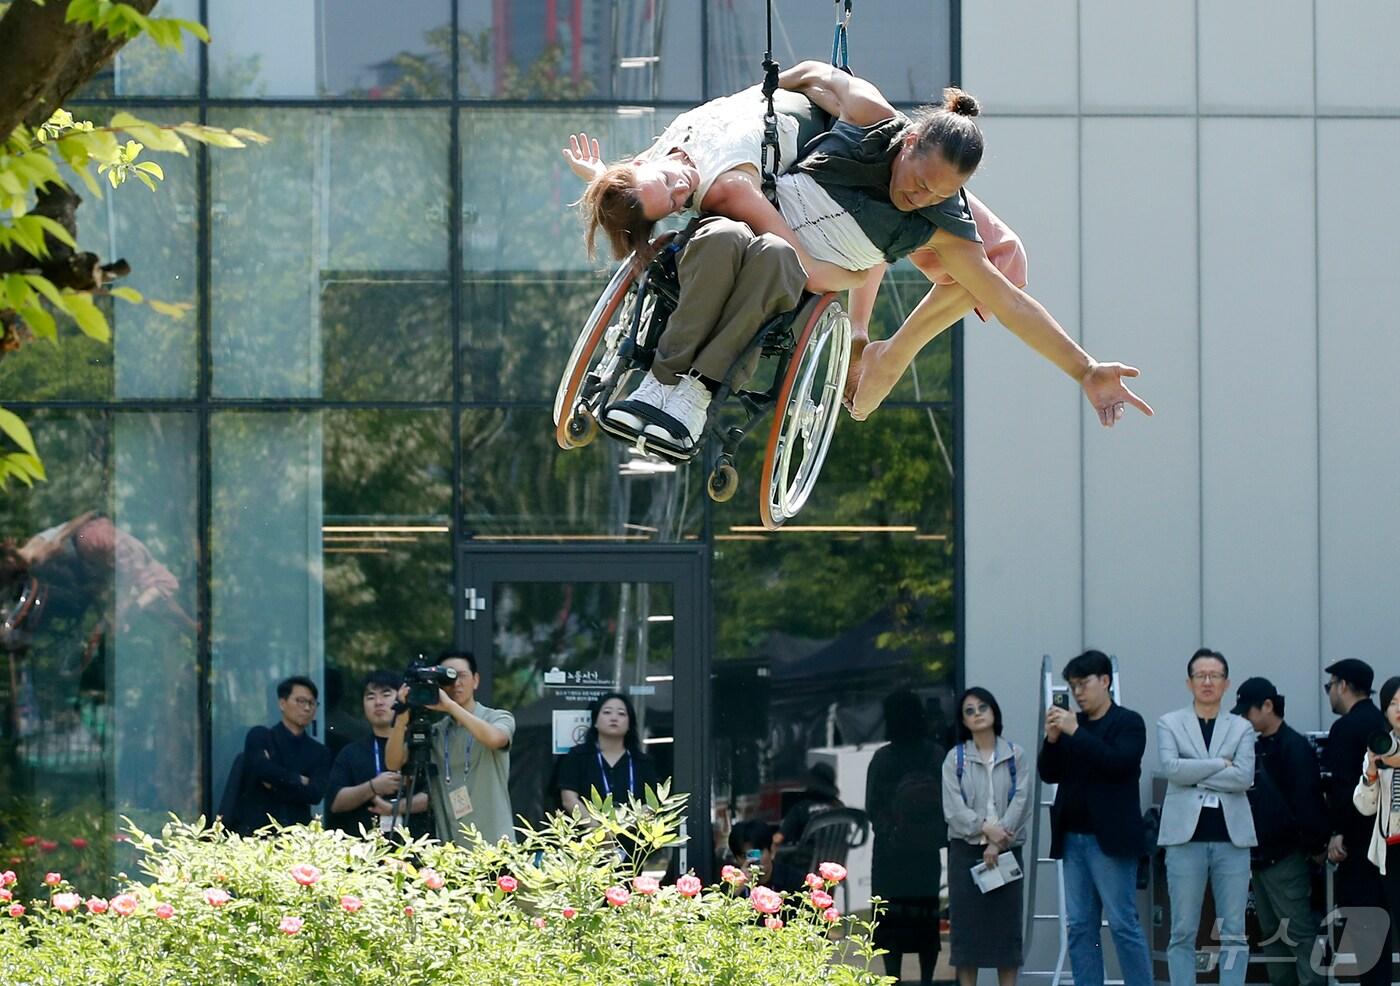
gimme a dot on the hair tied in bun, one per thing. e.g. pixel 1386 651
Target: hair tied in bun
pixel 959 102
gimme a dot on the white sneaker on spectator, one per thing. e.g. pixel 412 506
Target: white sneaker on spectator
pixel 688 403
pixel 651 392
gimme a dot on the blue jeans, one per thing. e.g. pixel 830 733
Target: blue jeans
pixel 1097 885
pixel 1226 866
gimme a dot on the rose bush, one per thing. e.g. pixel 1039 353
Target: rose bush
pixel 308 906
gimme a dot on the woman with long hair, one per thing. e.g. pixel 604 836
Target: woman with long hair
pixel 610 760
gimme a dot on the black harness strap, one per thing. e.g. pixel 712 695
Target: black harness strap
pixel 771 157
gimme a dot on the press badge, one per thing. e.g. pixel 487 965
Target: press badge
pixel 1211 801
pixel 461 801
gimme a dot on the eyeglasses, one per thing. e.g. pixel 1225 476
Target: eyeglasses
pixel 305 703
pixel 1207 677
pixel 976 710
pixel 1327 686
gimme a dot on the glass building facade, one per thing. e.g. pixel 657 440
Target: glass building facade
pixel 343 455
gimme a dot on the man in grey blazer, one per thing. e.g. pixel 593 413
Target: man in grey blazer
pixel 1207 827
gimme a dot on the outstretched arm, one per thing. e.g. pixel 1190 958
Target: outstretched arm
pixel 845 97
pixel 1102 383
pixel 583 157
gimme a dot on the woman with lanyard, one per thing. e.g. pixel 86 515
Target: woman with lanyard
pixel 986 799
pixel 610 760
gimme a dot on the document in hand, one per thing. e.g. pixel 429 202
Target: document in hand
pixel 989 878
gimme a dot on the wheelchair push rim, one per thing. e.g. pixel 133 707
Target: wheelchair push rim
pixel 806 411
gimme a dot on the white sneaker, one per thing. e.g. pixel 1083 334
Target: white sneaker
pixel 651 392
pixel 688 403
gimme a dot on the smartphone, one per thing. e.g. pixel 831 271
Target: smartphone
pixel 1060 701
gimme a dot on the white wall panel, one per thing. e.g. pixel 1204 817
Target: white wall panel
pixel 1258 403
pixel 1240 73
pixel 1138 55
pixel 1359 213
pixel 1142 478
pixel 1358 64
pixel 1020 56
pixel 1021 438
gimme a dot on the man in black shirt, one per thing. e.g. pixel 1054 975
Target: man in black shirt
pixel 1095 823
pixel 284 770
pixel 1356 883
pixel 362 792
pixel 1291 825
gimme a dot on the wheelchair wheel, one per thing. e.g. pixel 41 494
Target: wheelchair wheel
pixel 809 402
pixel 723 482
pixel 594 362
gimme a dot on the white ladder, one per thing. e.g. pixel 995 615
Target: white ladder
pixel 1043 796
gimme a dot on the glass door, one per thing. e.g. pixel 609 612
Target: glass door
pixel 553 630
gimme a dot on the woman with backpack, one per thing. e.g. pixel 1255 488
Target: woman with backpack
pixel 903 796
pixel 986 798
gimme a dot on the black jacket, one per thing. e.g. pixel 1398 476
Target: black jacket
pixel 274 762
pixel 1101 771
pixel 1346 749
pixel 1286 799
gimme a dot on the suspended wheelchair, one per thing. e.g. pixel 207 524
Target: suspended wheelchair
pixel 811 346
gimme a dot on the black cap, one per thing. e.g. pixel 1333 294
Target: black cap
pixel 1252 693
pixel 1354 672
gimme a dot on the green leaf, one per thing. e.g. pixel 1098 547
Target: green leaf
pixel 89 318
pixel 126 294
pixel 29 464
pixel 56 230
pixel 151 168
pixel 45 287
pixel 10 183
pixel 40 322
pixel 17 430
pixel 173 310
pixel 194 27
pixel 17 292
pixel 146 180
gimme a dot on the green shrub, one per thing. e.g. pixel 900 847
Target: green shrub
pixel 303 905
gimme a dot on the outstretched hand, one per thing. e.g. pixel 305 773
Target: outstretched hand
pixel 583 157
pixel 1103 386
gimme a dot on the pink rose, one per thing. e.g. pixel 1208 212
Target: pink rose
pixel 646 885
pixel 773 924
pixel 689 886
pixel 821 900
pixel 507 883
pixel 766 901
pixel 165 912
pixel 350 904
pixel 539 923
pixel 16 910
pixel 8 878
pixel 733 876
pixel 433 880
pixel 47 845
pixel 96 905
pixel 66 903
pixel 78 842
pixel 814 882
pixel 617 896
pixel 6 894
pixel 29 840
pixel 569 913
pixel 834 872
pixel 216 897
pixel 121 837
pixel 290 925
pixel 124 904
pixel 53 879
pixel 831 914
pixel 305 874
pixel 408 911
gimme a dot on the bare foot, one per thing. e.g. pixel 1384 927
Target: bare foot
pixel 878 375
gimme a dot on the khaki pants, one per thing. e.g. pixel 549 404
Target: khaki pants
pixel 1283 901
pixel 731 282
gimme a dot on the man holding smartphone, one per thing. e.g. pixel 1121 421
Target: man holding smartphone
pixel 1095 823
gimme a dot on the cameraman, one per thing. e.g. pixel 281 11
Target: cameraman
pixel 469 779
pixel 362 792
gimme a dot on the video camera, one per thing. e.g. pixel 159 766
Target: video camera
pixel 424 681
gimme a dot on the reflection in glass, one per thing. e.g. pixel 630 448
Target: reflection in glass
pixel 151 355
pixel 517 187
pixel 143 68
pixel 332 245
pixel 556 647
pixel 906 54
pixel 517 484
pixel 641 50
pixel 97 579
pixel 271 48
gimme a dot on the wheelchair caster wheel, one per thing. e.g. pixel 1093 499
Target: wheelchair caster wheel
pixel 723 484
pixel 581 428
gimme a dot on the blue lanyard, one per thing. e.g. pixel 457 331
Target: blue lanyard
pixel 378 757
pixel 631 773
pixel 447 755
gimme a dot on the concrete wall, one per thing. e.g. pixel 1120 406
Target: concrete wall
pixel 1206 191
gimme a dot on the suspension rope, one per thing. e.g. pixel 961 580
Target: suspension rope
pixel 771 157
pixel 840 42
